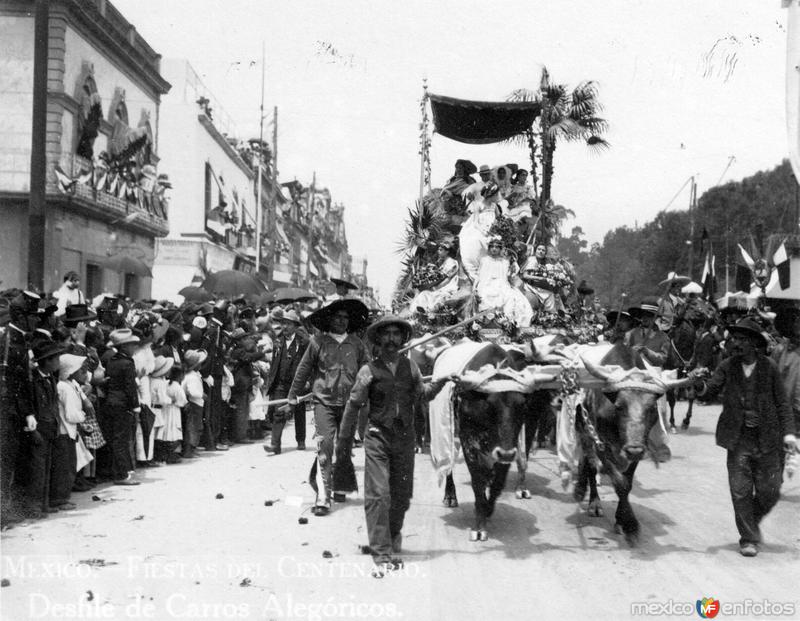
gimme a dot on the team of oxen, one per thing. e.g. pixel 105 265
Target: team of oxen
pixel 496 392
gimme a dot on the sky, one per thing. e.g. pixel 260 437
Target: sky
pixel 685 85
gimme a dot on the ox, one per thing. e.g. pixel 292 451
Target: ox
pixel 495 396
pixel 614 426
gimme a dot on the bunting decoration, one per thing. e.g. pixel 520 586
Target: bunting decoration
pixel 709 276
pixel 744 269
pixel 781 262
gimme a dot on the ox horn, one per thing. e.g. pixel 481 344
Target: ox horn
pixel 600 371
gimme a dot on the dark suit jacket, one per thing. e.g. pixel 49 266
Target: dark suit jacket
pixel 279 346
pixel 773 405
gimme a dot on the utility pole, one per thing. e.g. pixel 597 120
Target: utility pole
pixel 310 206
pixel 260 162
pixel 38 178
pixel 692 206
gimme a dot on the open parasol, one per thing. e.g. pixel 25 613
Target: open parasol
pixel 127 265
pixel 293 294
pixel 195 294
pixel 233 283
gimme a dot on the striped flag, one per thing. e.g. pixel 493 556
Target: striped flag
pixel 709 276
pixel 744 269
pixel 781 262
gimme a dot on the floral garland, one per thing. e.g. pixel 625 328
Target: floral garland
pixel 552 275
pixel 505 229
pixel 427 276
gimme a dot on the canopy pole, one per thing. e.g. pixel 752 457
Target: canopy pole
pixel 424 143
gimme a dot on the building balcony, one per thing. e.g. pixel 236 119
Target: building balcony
pixel 106 195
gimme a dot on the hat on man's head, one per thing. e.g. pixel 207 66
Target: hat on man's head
pixel 68 364
pixel 389 320
pixel 357 311
pixel 205 309
pixel 193 358
pixel 163 365
pixel 674 278
pixel 240 333
pixel 199 322
pixel 750 329
pixel 484 169
pixel 122 336
pixel 613 316
pixel 26 303
pixel 469 167
pixel 339 282
pixel 46 349
pixel 291 315
pixel 248 312
pixel 650 306
pixel 76 313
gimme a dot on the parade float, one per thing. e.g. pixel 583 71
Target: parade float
pixel 479 254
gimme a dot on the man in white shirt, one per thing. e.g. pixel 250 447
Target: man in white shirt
pixel 69 293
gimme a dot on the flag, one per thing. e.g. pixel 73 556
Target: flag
pixel 781 262
pixel 744 270
pixel 709 276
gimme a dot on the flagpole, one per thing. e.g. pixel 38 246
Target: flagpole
pixel 260 162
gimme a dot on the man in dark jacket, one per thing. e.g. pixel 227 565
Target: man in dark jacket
pixel 242 357
pixel 42 428
pixel 16 402
pixel 755 425
pixel 121 406
pixel 391 384
pixel 288 350
pixel 331 363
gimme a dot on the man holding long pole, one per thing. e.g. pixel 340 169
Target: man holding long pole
pixel 391 383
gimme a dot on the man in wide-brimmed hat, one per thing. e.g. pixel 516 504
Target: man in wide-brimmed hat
pixel 288 349
pixel 620 323
pixel 343 288
pixel 755 427
pixel 391 384
pixel 669 303
pixel 122 405
pixel 330 364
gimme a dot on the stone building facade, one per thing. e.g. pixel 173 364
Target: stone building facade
pixel 104 195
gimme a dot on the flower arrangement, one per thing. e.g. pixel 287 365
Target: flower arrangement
pixel 506 229
pixel 427 276
pixel 552 276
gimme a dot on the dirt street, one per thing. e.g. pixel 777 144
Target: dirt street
pixel 169 549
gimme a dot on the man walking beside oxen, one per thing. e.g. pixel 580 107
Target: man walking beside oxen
pixel 755 426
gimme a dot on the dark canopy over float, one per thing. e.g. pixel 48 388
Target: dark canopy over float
pixel 481 122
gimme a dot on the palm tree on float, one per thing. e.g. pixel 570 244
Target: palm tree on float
pixel 565 115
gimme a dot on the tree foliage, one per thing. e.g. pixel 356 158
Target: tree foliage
pixel 634 261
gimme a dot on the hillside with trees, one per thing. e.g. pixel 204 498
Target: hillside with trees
pixel 634 260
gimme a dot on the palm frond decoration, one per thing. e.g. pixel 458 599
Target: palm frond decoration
pixel 424 226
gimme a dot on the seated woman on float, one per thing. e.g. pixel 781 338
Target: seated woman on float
pixel 539 287
pixel 431 299
pixel 494 289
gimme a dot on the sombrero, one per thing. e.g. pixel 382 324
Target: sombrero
pixel 357 311
pixel 674 277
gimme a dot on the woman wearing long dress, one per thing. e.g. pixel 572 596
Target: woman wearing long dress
pixel 430 299
pixel 495 290
pixel 474 236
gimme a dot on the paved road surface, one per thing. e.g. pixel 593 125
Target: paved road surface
pixel 169 549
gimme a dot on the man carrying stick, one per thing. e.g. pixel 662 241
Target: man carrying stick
pixel 391 383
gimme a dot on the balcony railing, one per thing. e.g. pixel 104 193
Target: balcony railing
pixel 97 189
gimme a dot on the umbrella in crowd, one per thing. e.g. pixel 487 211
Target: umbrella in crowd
pixel 293 294
pixel 195 294
pixel 233 283
pixel 127 265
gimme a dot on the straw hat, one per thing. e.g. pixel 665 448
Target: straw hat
pixel 68 364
